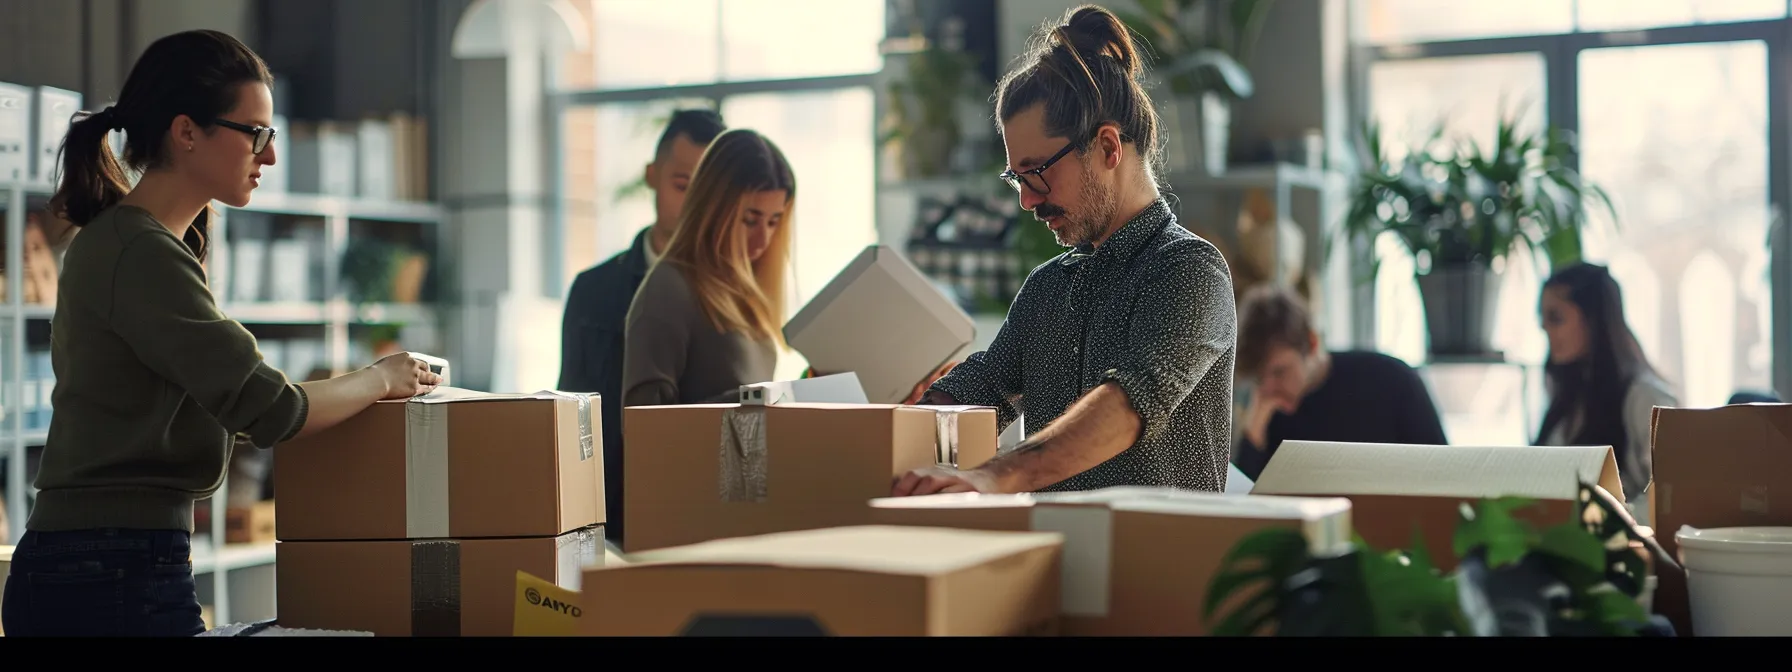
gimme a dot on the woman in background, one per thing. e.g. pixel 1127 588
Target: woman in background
pixel 1602 389
pixel 708 316
pixel 153 383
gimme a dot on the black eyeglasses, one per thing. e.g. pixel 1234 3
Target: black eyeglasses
pixel 263 134
pixel 1035 177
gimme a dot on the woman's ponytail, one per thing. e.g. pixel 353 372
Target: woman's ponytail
pixel 92 179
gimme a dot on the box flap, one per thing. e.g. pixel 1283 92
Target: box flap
pixel 1538 472
pixel 918 551
pixel 955 500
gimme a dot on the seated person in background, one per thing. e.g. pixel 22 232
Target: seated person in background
pixel 1304 393
pixel 1602 390
pixel 707 318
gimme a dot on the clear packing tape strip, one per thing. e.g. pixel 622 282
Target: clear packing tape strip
pixel 945 424
pixel 742 453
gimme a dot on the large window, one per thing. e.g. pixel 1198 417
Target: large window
pixel 1674 122
pixel 1390 22
pixel 810 93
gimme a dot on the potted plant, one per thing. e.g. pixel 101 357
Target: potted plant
pixel 1580 577
pixel 1199 49
pixel 1461 210
pixel 924 109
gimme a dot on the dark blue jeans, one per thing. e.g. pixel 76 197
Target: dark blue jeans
pixel 102 583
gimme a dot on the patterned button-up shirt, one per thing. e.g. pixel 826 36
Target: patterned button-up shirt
pixel 1152 310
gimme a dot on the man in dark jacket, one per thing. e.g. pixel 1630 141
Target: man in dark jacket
pixel 597 306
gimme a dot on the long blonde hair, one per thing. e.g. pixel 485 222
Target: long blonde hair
pixel 736 293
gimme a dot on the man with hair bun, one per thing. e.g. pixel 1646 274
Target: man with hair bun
pixel 1119 352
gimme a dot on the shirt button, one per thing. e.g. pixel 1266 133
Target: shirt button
pixel 1112 372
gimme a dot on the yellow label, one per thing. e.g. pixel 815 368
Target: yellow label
pixel 544 609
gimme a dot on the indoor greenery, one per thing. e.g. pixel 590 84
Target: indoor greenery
pixel 923 113
pixel 1188 50
pixel 1579 577
pixel 1454 204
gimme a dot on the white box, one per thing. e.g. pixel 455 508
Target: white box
pixel 55 109
pixel 882 319
pixel 15 133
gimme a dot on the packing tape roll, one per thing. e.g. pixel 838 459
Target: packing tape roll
pixel 741 457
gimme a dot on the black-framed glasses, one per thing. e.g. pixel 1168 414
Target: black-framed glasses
pixel 263 134
pixel 1034 178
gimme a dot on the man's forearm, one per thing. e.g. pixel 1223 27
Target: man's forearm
pixel 1096 428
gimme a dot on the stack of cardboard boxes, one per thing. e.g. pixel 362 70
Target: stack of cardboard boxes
pixel 414 517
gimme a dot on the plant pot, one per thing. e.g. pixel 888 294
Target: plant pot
pixel 1460 305
pixel 1200 127
pixel 927 153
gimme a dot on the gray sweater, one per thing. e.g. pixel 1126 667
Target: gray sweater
pixel 674 355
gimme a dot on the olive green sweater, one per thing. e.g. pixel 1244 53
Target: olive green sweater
pixel 152 384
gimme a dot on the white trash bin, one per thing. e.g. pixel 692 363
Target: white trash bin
pixel 1739 580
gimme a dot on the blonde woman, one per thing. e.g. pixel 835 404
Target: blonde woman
pixel 708 316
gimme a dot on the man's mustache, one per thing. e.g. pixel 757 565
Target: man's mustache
pixel 1047 211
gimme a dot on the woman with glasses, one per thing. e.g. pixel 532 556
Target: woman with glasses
pixel 154 384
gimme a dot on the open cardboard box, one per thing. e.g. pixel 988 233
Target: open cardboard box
pixel 1717 467
pixel 1137 561
pixel 842 581
pixel 1397 490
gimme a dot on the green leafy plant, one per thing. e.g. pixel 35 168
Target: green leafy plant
pixel 1453 203
pixel 1188 49
pixel 923 109
pixel 1580 577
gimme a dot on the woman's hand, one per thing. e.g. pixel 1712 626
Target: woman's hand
pixel 405 376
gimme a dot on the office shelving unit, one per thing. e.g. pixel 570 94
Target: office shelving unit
pixel 335 316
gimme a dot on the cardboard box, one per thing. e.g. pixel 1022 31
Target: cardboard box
pixel 1137 561
pixel 250 525
pixel 1397 489
pixel 844 581
pixel 883 320
pixel 1717 467
pixel 452 465
pixel 424 588
pixel 702 472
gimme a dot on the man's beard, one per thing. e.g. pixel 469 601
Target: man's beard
pixel 1085 225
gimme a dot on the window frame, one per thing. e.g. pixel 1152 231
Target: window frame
pixel 1561 55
